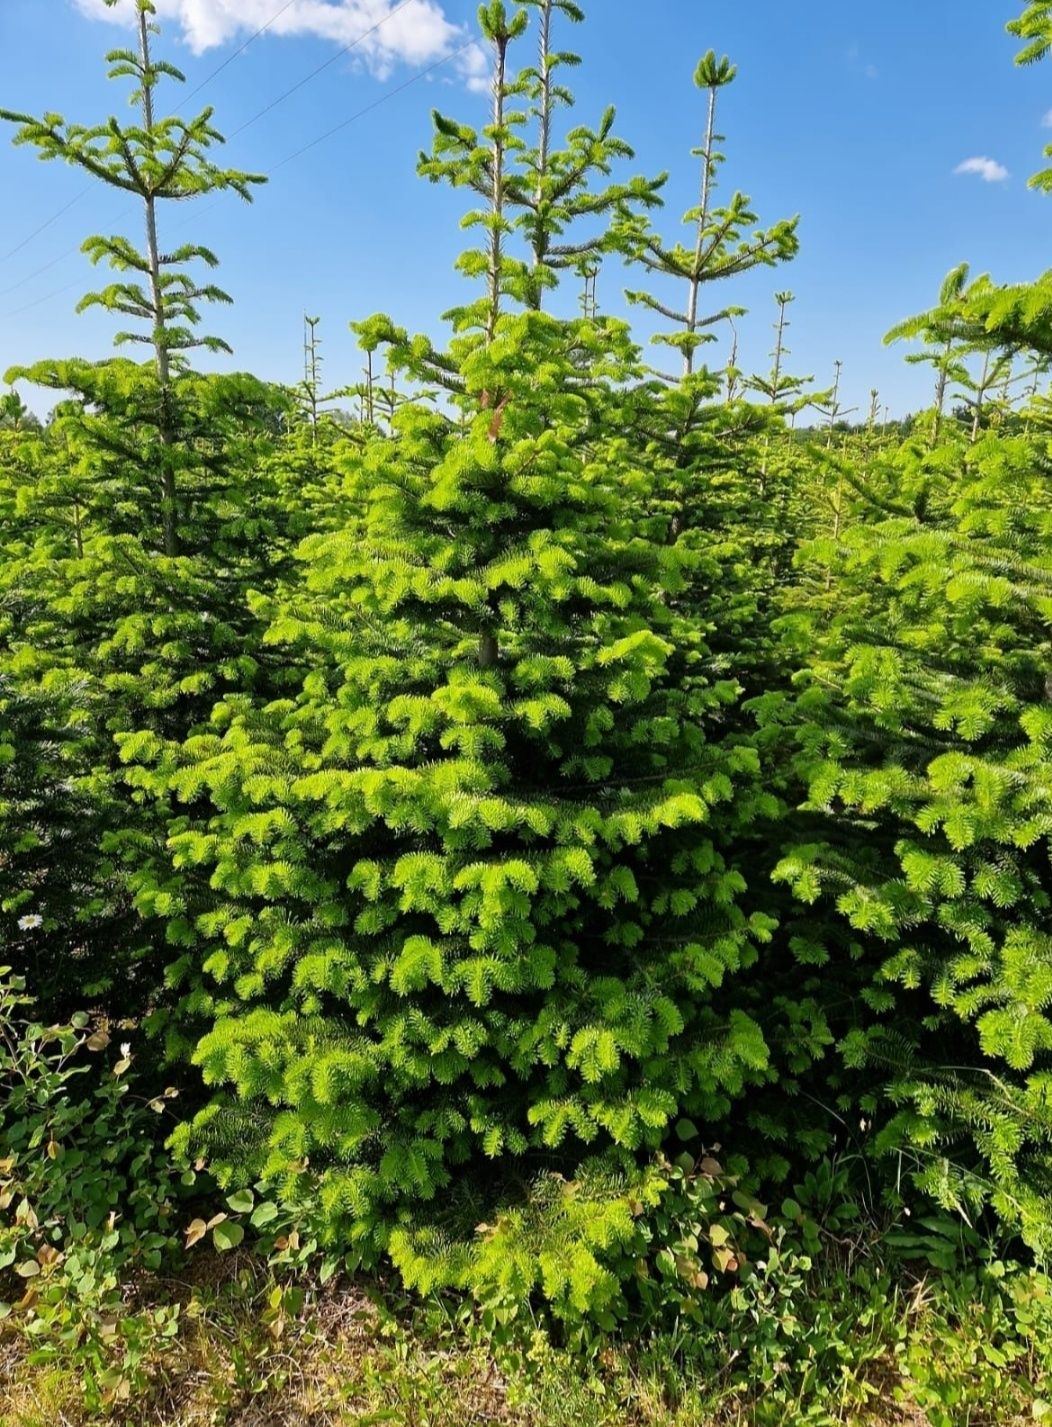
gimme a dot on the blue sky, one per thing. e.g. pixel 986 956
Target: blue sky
pixel 854 115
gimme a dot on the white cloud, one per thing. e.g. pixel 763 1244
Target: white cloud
pixel 872 72
pixel 415 33
pixel 476 67
pixel 989 170
pixel 1046 122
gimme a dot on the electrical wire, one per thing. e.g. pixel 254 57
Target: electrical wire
pixel 353 44
pixel 46 224
pixel 39 301
pixel 38 272
pixel 390 94
pixel 239 52
pixel 289 158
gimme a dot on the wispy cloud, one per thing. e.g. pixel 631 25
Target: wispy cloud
pixel 989 170
pixel 855 61
pixel 1046 121
pixel 388 32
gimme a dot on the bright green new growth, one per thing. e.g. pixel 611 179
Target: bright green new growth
pixel 158 160
pixel 926 743
pixel 528 184
pixel 470 893
pixel 131 527
pixel 722 248
pixel 553 765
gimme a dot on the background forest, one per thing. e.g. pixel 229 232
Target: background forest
pixel 524 881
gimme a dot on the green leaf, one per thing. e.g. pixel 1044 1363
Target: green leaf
pixel 227 1236
pixel 264 1214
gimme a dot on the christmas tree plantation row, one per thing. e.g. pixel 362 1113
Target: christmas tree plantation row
pixel 552 765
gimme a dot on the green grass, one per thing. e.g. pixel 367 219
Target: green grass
pixel 959 1352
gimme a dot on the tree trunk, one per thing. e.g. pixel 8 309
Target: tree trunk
pixel 703 218
pixel 169 520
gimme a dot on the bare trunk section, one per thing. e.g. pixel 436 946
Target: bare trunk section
pixel 169 526
pixel 544 146
pixel 703 218
pixel 496 250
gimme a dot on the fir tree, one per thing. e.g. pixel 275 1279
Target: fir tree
pixel 722 246
pixel 925 743
pixel 135 524
pixel 470 893
pixel 705 456
pixel 541 191
pixel 158 160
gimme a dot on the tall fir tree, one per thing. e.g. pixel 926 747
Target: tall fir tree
pixel 925 716
pixel 137 522
pixel 470 894
pixel 708 483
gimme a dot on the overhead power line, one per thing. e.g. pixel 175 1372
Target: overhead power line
pixel 390 94
pixel 241 50
pixel 46 224
pixel 38 272
pixel 39 302
pixel 353 44
pixel 289 158
pixel 273 104
pixel 43 227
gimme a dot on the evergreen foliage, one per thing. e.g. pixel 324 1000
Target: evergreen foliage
pixel 137 520
pixel 925 744
pixel 549 761
pixel 471 893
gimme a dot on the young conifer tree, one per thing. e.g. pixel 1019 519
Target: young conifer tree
pixel 946 345
pixel 705 454
pixel 15 415
pixel 722 246
pixel 467 896
pixel 157 161
pixel 547 190
pixel 926 742
pixel 785 473
pixel 136 522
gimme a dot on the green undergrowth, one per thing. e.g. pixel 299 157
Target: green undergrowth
pixel 133 1290
pixel 862 1343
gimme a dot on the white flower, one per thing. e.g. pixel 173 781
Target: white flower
pixel 126 1048
pixel 30 922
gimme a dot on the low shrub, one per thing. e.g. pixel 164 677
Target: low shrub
pixel 88 1197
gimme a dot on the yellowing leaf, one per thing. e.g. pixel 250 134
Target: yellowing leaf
pixel 196 1232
